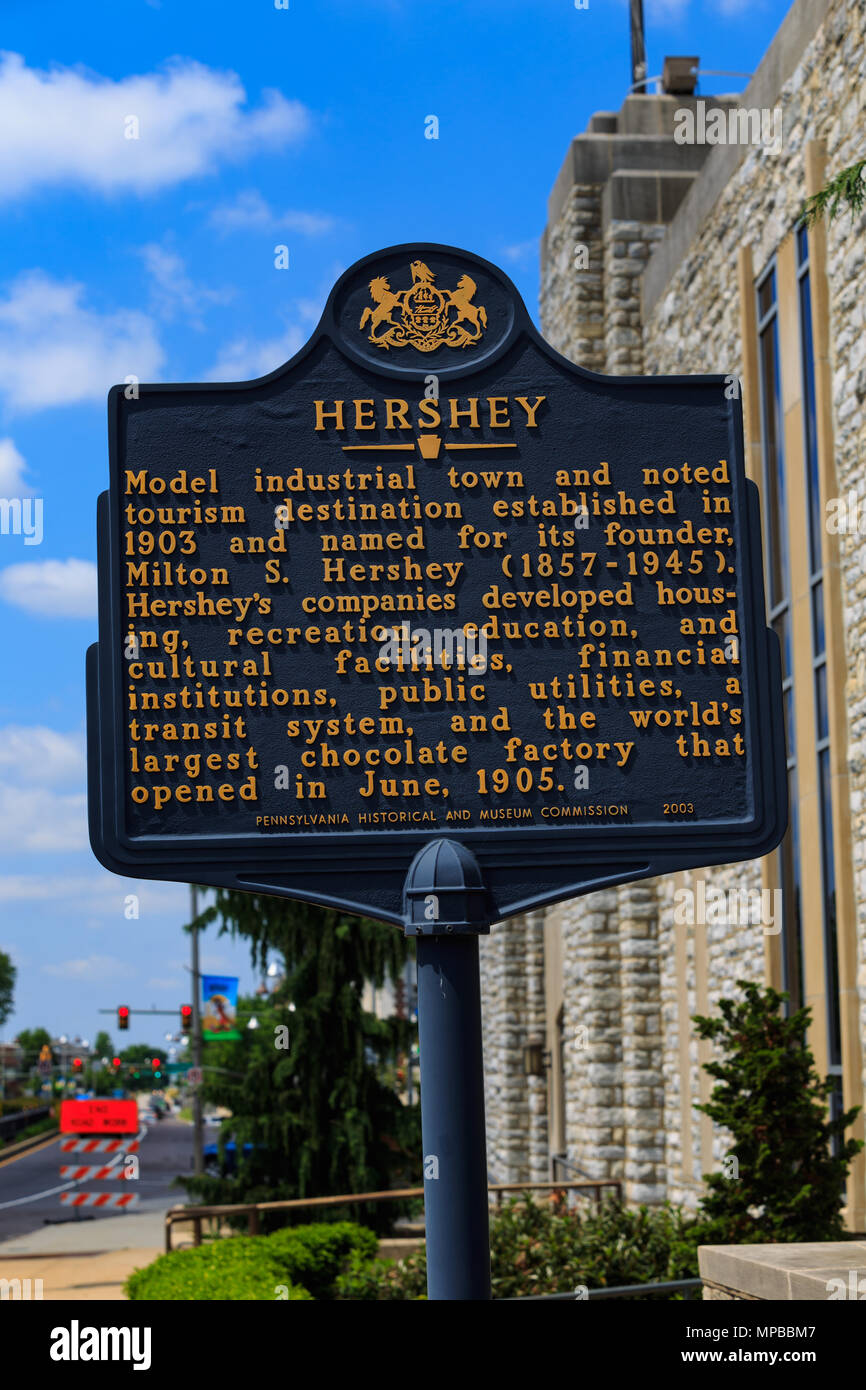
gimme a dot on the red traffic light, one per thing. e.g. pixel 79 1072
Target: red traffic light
pixel 123 1017
pixel 77 1064
pixel 186 1017
pixel 116 1062
pixel 156 1064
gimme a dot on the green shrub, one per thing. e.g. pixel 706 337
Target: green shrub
pixel 304 1259
pixel 784 1175
pixel 237 1268
pixel 551 1248
pixel 369 1281
pixel 314 1255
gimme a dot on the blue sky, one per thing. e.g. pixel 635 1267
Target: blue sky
pixel 154 256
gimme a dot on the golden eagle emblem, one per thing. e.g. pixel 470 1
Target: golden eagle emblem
pixel 423 317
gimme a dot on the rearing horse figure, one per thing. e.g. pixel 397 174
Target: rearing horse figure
pixel 386 301
pixel 476 314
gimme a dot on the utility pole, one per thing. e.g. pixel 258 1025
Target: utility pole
pixel 638 47
pixel 197 1116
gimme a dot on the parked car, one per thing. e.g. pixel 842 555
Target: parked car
pixel 229 1165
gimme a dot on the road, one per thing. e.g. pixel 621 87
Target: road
pixel 164 1153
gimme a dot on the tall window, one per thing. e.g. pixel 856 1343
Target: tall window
pixel 778 582
pixel 819 666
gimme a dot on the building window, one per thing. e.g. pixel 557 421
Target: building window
pixel 775 514
pixel 819 666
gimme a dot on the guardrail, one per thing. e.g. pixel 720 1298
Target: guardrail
pixel 252 1210
pixel 666 1286
pixel 22 1119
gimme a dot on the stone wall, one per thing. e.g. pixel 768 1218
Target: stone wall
pixel 692 323
pixel 572 300
pixel 512 972
pixel 660 295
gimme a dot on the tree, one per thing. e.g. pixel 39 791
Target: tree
pixel 784 1174
pixel 7 986
pixel 31 1041
pixel 846 190
pixel 139 1057
pixel 102 1044
pixel 318 1112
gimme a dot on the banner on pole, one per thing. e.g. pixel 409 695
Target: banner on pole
pixel 219 1004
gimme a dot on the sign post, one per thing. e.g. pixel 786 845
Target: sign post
pixel 433 625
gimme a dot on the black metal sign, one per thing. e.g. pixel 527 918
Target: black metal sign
pixel 430 580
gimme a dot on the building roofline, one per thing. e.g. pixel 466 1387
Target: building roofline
pixel 793 37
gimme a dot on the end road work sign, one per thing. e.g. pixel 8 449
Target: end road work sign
pixel 429 579
pixel 98 1117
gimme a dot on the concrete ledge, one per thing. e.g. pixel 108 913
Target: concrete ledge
pixel 632 195
pixel 784 1272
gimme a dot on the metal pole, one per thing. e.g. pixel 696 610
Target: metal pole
pixel 197 1116
pixel 638 48
pixel 452 1117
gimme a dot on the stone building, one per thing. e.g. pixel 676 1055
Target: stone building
pixel 665 257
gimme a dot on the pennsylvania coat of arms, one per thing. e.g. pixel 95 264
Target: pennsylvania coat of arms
pixel 424 317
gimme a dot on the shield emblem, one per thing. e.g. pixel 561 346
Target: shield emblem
pixel 425 316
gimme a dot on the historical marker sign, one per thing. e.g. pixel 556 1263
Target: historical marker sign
pixel 430 580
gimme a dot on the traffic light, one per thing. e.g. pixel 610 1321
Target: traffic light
pixel 116 1063
pixel 186 1018
pixel 123 1018
pixel 77 1064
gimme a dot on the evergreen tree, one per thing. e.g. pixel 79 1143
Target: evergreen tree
pixel 781 1180
pixel 7 986
pixel 307 1088
pixel 846 190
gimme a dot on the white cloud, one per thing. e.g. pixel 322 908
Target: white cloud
pixel 51 588
pixel 40 818
pixel 42 806
pixel 37 754
pixel 250 210
pixel 12 468
pixel 54 350
pixel 520 251
pixel 246 358
pixel 68 126
pixel 90 968
pixel 174 293
pixel 100 894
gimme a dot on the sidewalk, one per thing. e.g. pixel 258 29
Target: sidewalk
pixel 79 1260
pixel 77 1278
